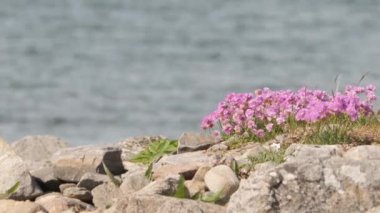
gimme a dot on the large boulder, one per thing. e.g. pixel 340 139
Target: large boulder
pixel 12 206
pixel 36 150
pixel 320 181
pixel 13 169
pixel 162 204
pixel 71 164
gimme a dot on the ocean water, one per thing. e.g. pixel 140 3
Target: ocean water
pixel 99 71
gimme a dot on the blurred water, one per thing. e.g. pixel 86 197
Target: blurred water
pixel 99 71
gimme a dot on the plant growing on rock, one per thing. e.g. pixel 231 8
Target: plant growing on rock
pixel 262 115
pixel 156 150
pixel 10 191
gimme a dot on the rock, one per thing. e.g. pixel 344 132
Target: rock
pixel 132 146
pixel 364 153
pixel 36 150
pixel 201 172
pixel 105 195
pixel 165 186
pixel 56 203
pixel 13 169
pixel 306 151
pixel 64 186
pixel 219 147
pixel 242 154
pixel 12 206
pixel 92 180
pixel 374 210
pixel 194 187
pixel 134 181
pixel 79 193
pixel 186 170
pixel 199 158
pixel 328 183
pixel 190 142
pixel 71 164
pixel 162 204
pixel 222 180
pixel 46 179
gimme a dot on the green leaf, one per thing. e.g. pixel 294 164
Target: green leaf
pixel 155 151
pixel 10 191
pixel 181 188
pixel 149 172
pixel 111 176
pixel 212 197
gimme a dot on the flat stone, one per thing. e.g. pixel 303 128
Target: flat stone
pixel 162 204
pixel 199 158
pixel 79 193
pixel 12 206
pixel 71 164
pixel 221 180
pixel 190 142
pixel 14 169
pixel 57 203
pixel 91 180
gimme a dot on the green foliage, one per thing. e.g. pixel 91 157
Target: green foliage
pixel 211 197
pixel 111 176
pixel 274 156
pixel 149 172
pixel 155 151
pixel 181 191
pixel 235 167
pixel 10 191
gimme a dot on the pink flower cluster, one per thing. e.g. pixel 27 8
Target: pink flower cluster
pixel 260 112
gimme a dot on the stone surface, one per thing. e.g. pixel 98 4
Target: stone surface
pixel 46 179
pixel 364 153
pixel 105 195
pixel 56 203
pixel 12 206
pixel 199 158
pixel 162 204
pixel 36 150
pixel 64 186
pixel 79 193
pixel 194 187
pixel 302 151
pixel 13 169
pixel 186 170
pixel 324 181
pixel 134 181
pixel 165 186
pixel 201 172
pixel 71 164
pixel 242 154
pixel 92 180
pixel 222 180
pixel 190 142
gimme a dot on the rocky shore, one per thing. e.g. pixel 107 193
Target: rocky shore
pixel 55 177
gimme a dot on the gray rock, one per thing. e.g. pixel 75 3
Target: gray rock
pixel 79 193
pixel 364 153
pixel 105 195
pixel 64 186
pixel 134 181
pixel 186 170
pixel 71 164
pixel 92 180
pixel 36 150
pixel 12 206
pixel 222 180
pixel 165 186
pixel 46 179
pixel 194 187
pixel 56 203
pixel 190 142
pixel 201 172
pixel 13 169
pixel 162 204
pixel 306 151
pixel 330 183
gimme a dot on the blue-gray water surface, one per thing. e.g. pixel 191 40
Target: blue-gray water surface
pixel 99 71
